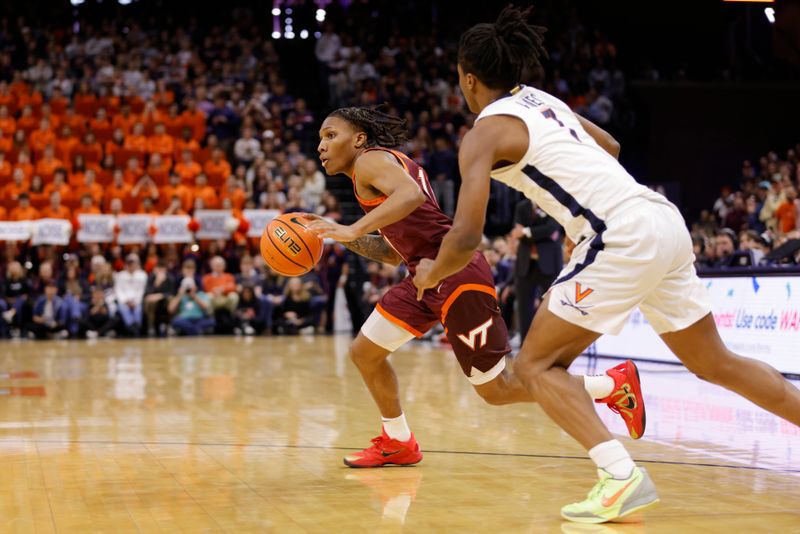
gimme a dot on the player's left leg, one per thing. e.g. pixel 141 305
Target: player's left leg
pixel 703 352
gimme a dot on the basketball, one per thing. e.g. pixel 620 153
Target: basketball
pixel 288 247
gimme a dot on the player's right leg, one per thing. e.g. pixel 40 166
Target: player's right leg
pixel 396 445
pixel 551 346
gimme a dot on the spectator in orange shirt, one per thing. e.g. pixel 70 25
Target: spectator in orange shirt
pixel 24 163
pixel 147 207
pixel 38 197
pixel 24 211
pixel 194 119
pixel 77 175
pixel 7 98
pixel 7 123
pixel 5 168
pixel 101 125
pixel 125 120
pixel 58 104
pixel 217 169
pixel 116 208
pixel 137 140
pixel 42 137
pixel 65 144
pixel 235 192
pixel 12 191
pixel 186 143
pixel 48 164
pixel 787 211
pixel 87 207
pixel 85 101
pixel 188 169
pixel 150 117
pixel 28 121
pixel 158 169
pixel 6 142
pixel 116 143
pixel 3 214
pixel 160 142
pixel 90 187
pixel 206 192
pixel 77 123
pixel 55 210
pixel 47 113
pixel 173 122
pixel 91 149
pixel 176 189
pixel 58 183
pixel 221 286
pixel 175 206
pixel 119 189
pixel 144 188
pixel 133 172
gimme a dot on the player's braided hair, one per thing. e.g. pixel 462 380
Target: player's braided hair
pixel 382 129
pixel 504 53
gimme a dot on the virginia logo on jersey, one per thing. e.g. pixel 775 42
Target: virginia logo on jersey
pixel 580 294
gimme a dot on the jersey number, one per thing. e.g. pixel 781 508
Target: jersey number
pixel 550 114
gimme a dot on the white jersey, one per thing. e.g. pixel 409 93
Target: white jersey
pixel 565 172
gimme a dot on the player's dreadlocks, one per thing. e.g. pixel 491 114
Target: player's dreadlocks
pixel 381 128
pixel 504 53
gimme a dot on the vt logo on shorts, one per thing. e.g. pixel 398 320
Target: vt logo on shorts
pixel 580 294
pixel 479 331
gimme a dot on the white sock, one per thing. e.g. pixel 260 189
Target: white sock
pixel 599 386
pixel 612 457
pixel 397 428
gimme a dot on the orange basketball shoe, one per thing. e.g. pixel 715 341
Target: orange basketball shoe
pixel 385 450
pixel 626 399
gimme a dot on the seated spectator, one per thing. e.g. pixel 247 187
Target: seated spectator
pixel 59 183
pixel 186 142
pixel 49 314
pixel 295 312
pixel 175 207
pixel 756 244
pixel 145 188
pixel 221 286
pixel 15 304
pixel 148 207
pixel 87 207
pixel 90 187
pixel 55 210
pixel 160 288
pixel 250 315
pixel 235 192
pixel 13 190
pixel 129 286
pixel 98 320
pixel 217 169
pixel 176 189
pixel 205 192
pixel 187 169
pixel 137 140
pixel 38 196
pixel 786 213
pixel 158 169
pixel 246 147
pixel 191 309
pixel 725 244
pixel 160 142
pixel 24 211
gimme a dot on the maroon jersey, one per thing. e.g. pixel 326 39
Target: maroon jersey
pixel 419 235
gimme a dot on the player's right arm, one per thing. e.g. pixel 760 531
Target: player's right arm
pixel 375 248
pixel 601 137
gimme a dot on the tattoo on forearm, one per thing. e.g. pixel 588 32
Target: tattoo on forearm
pixel 374 248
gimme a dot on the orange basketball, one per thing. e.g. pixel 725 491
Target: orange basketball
pixel 288 247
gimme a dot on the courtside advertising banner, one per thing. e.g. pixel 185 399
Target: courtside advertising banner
pixel 212 224
pixel 96 228
pixel 134 229
pixel 757 316
pixel 259 219
pixel 15 230
pixel 172 229
pixel 51 232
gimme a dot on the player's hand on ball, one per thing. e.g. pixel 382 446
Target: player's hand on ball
pixel 327 228
pixel 422 279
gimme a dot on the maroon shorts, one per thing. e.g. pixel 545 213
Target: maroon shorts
pixel 465 303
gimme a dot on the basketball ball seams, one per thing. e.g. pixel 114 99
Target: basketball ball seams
pixel 276 247
pixel 303 241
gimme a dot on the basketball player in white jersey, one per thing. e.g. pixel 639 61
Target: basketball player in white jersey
pixel 632 249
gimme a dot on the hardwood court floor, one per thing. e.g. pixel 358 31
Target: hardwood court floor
pixel 247 435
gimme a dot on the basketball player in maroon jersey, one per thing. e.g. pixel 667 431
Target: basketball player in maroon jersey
pixel 397 199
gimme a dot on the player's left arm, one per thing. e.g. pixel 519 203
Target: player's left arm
pixel 494 139
pixel 380 171
pixel 601 137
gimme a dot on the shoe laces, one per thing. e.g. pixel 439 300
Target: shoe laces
pixel 378 443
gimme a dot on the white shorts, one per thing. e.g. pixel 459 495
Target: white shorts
pixel 644 258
